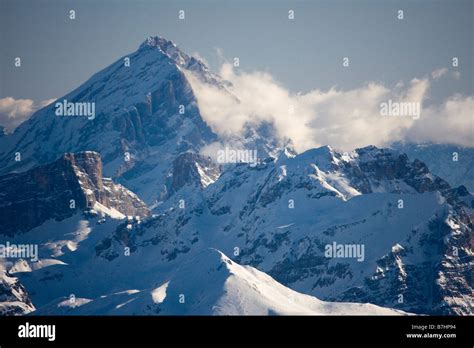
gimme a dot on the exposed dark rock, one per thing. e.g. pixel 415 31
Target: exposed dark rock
pixel 60 189
pixel 194 169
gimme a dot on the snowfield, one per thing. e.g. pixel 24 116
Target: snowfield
pixel 226 288
pixel 130 216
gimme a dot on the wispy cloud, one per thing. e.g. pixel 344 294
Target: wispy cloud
pixel 439 73
pixel 198 56
pixel 345 119
pixel 451 122
pixel 13 111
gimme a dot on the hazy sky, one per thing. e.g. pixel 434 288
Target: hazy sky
pixel 58 54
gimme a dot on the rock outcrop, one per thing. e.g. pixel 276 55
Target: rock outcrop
pixel 59 190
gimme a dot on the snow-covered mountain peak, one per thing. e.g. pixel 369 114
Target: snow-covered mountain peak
pixel 145 115
pixel 372 153
pixel 167 47
pixel 277 214
pixel 180 59
pixel 324 157
pixel 211 259
pixel 157 41
pixel 226 288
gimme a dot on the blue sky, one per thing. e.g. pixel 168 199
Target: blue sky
pixel 283 63
pixel 59 54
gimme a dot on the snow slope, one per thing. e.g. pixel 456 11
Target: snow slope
pixel 281 214
pixel 138 128
pixel 225 288
pixel 277 216
pixel 146 116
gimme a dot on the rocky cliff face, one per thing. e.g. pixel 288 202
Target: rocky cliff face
pixel 59 190
pixel 193 169
pixel 14 300
pixel 453 163
pixel 278 216
pixel 440 282
pixel 281 214
pixel 146 115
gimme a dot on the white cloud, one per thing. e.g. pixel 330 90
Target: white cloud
pixel 13 111
pixel 345 119
pixel 439 73
pixel 198 56
pixel 451 122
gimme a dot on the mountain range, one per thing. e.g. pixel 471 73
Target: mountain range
pixel 130 217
